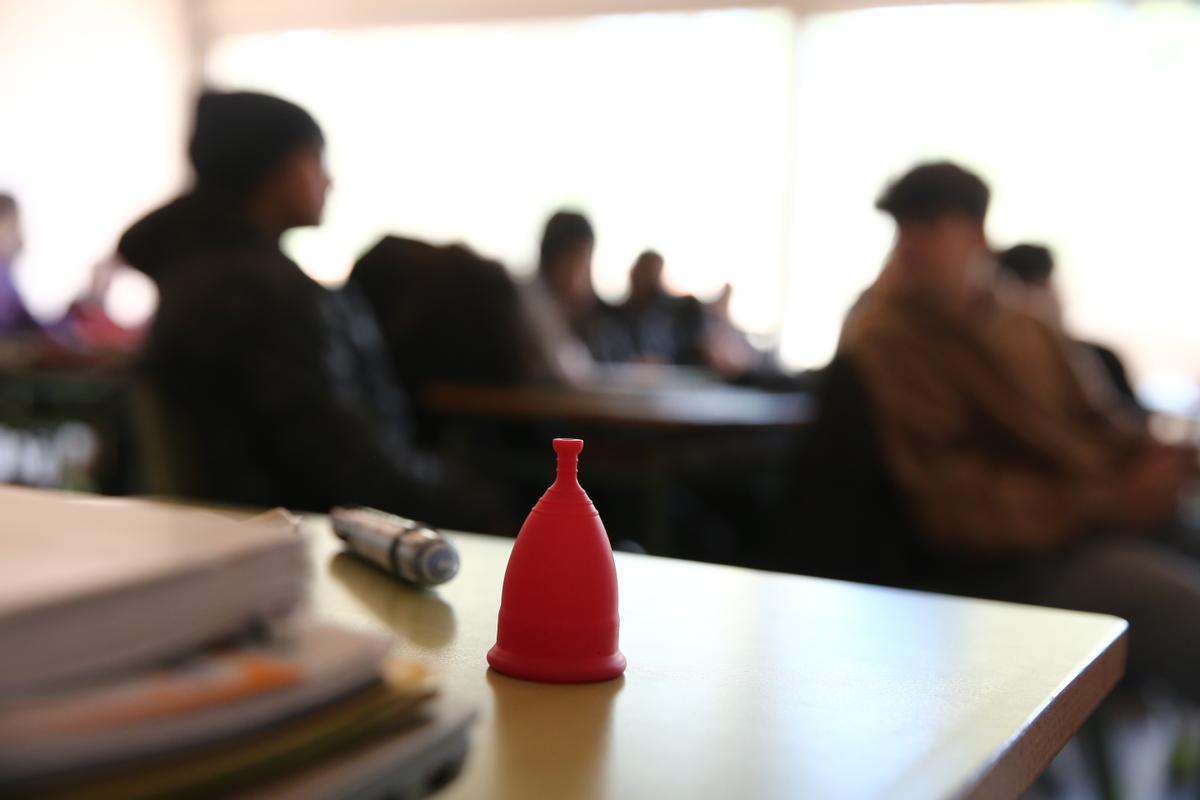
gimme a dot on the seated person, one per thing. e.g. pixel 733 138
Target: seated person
pixel 671 329
pixel 281 386
pixel 1027 271
pixel 573 329
pixel 447 314
pixel 994 440
pixel 14 317
pixel 87 326
pixel 663 328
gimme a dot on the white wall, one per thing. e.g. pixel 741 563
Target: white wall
pixel 94 100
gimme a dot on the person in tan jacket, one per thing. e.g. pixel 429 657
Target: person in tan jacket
pixel 1004 451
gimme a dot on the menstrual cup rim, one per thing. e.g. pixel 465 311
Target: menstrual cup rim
pixel 591 669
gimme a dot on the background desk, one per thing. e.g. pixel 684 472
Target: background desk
pixel 705 408
pixel 653 449
pixel 39 401
pixel 749 684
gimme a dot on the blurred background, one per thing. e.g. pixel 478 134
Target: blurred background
pixel 742 143
pixel 738 151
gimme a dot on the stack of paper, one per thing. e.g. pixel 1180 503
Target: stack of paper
pixel 91 584
pixel 216 720
pixel 134 662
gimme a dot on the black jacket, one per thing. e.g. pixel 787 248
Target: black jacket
pixel 281 385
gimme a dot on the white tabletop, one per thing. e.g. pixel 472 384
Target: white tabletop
pixel 750 684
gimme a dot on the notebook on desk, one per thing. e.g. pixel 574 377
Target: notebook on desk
pixel 89 585
pixel 315 711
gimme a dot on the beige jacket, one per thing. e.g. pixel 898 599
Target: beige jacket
pixel 987 426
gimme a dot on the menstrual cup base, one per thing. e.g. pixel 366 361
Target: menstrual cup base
pixel 550 670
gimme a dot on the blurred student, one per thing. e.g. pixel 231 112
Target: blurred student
pixel 996 444
pixel 280 385
pixel 88 327
pixel 14 316
pixel 663 328
pixel 1027 271
pixel 560 299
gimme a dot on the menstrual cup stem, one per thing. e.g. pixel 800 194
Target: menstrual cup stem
pixel 568 461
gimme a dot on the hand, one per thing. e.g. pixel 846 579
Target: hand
pixel 1149 494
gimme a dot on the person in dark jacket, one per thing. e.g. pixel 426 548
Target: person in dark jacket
pixel 664 328
pixel 282 386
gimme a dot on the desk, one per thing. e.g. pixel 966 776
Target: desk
pixel 38 399
pixel 750 684
pixel 641 439
pixel 707 408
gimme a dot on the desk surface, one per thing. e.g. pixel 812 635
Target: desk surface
pixel 750 684
pixel 679 408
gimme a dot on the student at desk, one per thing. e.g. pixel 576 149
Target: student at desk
pixel 1006 460
pixel 573 329
pixel 14 317
pixel 664 328
pixel 280 386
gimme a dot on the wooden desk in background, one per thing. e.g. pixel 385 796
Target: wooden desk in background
pixel 703 408
pixel 37 399
pixel 641 439
pixel 750 684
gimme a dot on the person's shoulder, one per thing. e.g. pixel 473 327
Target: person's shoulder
pixel 1102 351
pixel 1021 324
pixel 535 294
pixel 237 280
pixel 1112 362
pixel 873 315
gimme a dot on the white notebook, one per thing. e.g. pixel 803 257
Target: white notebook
pixel 90 584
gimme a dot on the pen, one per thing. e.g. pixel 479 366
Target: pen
pixel 405 549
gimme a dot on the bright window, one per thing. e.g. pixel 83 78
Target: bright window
pixel 749 146
pixel 1083 119
pixel 671 131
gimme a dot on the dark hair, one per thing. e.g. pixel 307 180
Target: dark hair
pixel 240 137
pixel 929 191
pixel 1028 263
pixel 8 204
pixel 564 230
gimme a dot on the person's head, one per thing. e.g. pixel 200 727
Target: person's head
pixel 10 230
pixel 939 209
pixel 1027 272
pixel 646 276
pixel 565 261
pixel 261 154
pixel 1029 264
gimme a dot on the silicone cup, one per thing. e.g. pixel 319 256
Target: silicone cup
pixel 558 612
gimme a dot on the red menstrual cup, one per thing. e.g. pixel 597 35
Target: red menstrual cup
pixel 558 612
